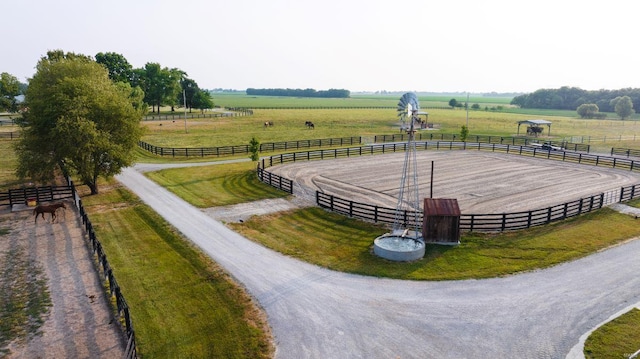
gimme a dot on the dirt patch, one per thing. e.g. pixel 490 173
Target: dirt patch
pixel 482 182
pixel 79 322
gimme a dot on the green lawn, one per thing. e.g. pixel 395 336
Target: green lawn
pixel 616 339
pixel 182 304
pixel 217 185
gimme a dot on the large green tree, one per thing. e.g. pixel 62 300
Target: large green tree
pixel 77 119
pixel 9 89
pixel 588 110
pixel 623 106
pixel 120 70
pixel 161 85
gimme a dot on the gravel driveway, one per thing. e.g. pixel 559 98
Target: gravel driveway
pixel 318 313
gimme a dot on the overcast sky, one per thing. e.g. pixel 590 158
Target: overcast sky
pixel 359 45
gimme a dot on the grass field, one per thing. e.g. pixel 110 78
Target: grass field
pixel 122 226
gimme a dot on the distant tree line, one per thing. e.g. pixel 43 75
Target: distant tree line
pixel 570 98
pixel 331 93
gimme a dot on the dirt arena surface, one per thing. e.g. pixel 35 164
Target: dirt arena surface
pixel 482 182
pixel 79 323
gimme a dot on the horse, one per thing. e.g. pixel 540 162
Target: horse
pixel 310 125
pixel 52 208
pixel 268 124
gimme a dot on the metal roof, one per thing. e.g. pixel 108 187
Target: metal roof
pixel 535 122
pixel 441 207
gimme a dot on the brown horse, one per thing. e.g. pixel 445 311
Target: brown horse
pixel 52 208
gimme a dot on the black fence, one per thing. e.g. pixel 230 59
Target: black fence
pixel 566 156
pixel 477 222
pixel 9 135
pixel 38 194
pixel 181 116
pixel 244 149
pixel 627 152
pixel 504 140
pixel 104 269
pixel 279 182
pixel 470 222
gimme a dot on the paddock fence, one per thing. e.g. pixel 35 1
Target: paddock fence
pixel 499 222
pixel 235 112
pixel 273 180
pixel 627 152
pixel 245 149
pixel 39 194
pixel 565 156
pixel 504 140
pixel 469 222
pixel 104 269
pixel 9 135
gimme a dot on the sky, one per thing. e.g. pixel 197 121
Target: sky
pixel 358 45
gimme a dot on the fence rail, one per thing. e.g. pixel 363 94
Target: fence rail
pixel 244 149
pixel 39 194
pixel 472 222
pixel 566 156
pixel 628 152
pixel 105 270
pixel 9 135
pixel 498 222
pixel 181 116
pixel 279 182
pixel 505 140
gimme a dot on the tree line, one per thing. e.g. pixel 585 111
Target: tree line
pixel 331 93
pixel 160 86
pixel 570 98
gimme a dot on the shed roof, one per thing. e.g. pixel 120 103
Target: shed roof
pixel 535 122
pixel 441 207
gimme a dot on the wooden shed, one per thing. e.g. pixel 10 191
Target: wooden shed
pixel 441 223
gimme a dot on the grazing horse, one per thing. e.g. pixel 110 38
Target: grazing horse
pixel 310 125
pixel 268 124
pixel 52 208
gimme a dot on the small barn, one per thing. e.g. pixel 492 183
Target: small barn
pixel 441 223
pixel 535 127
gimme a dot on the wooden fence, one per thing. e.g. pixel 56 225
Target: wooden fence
pixel 181 116
pixel 39 194
pixel 279 182
pixel 566 156
pixel 521 141
pixel 628 152
pixel 244 149
pixel 104 269
pixel 499 222
pixel 471 222
pixel 9 135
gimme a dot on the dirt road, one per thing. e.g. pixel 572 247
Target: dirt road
pixel 80 323
pixel 318 313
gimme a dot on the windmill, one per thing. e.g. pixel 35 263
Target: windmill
pixel 406 222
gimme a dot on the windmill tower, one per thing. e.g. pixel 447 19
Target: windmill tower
pixel 407 220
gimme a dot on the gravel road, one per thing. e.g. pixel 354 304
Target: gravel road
pixel 318 313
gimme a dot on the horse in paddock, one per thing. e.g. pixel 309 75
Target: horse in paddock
pixel 52 208
pixel 268 124
pixel 310 125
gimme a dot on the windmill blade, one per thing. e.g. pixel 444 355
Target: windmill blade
pixel 408 102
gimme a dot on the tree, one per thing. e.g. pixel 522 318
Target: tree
pixel 202 100
pixel 161 85
pixel 254 149
pixel 9 89
pixel 120 70
pixel 588 110
pixel 464 133
pixel 453 103
pixel 79 120
pixel 623 106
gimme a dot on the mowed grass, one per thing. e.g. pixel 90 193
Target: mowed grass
pixel 343 244
pixel 616 339
pixel 331 123
pixel 182 304
pixel 216 185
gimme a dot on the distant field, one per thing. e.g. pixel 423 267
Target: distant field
pixel 242 100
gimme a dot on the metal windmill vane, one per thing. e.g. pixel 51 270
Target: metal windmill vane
pixel 408 208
